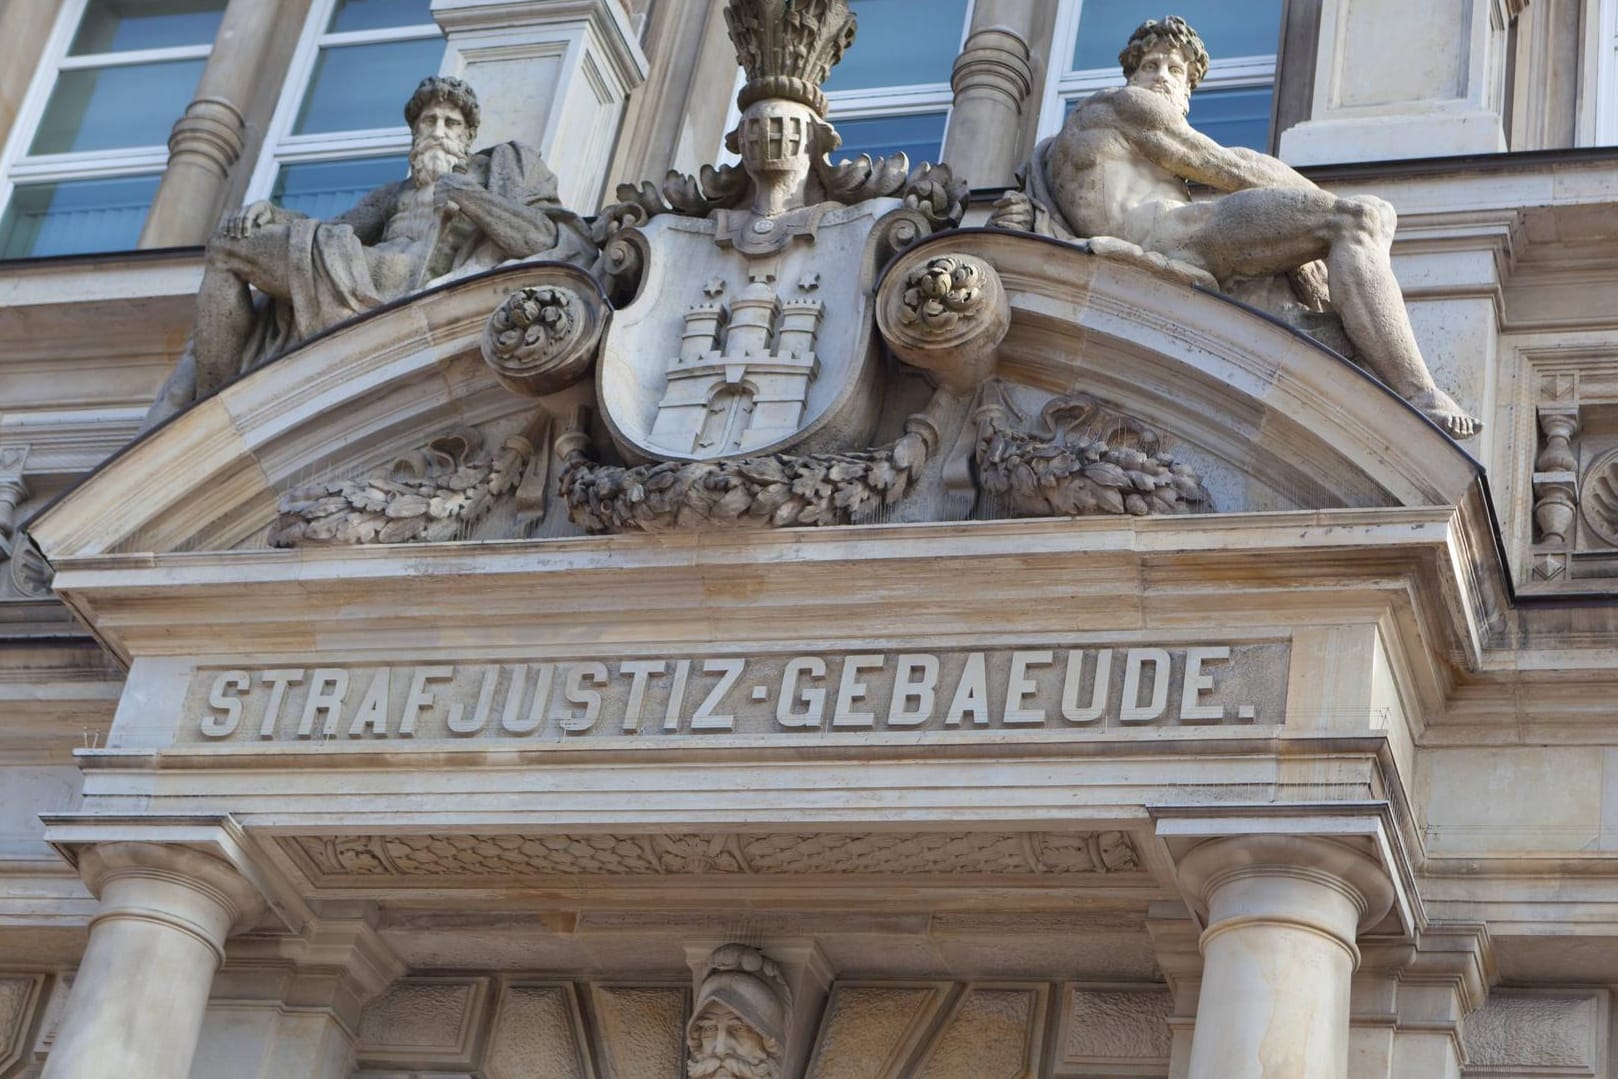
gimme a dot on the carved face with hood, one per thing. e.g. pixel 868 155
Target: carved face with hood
pixel 739 1024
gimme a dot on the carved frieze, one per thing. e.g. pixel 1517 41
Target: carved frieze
pixel 335 861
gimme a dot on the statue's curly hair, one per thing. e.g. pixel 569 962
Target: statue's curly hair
pixel 450 91
pixel 1172 31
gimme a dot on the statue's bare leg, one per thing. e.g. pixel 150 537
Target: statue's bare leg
pixel 225 304
pixel 1273 230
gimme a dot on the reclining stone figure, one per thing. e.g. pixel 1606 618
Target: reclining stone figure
pixel 274 277
pixel 1118 172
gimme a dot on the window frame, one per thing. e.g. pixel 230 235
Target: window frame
pixel 19 168
pixel 281 147
pixel 1065 85
pixel 1606 82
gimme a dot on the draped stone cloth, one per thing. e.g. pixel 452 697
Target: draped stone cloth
pixel 330 282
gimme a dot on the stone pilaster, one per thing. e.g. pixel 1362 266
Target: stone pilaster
pixel 1283 914
pixel 207 141
pixel 553 74
pixel 141 989
pixel 992 80
pixel 1373 102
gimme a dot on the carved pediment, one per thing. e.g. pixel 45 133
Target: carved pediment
pixel 1106 390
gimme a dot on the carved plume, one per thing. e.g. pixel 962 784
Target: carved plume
pixel 788 47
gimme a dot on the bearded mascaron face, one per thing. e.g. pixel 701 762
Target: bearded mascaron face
pixel 440 145
pixel 1165 70
pixel 723 1046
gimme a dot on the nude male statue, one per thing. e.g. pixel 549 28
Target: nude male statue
pixel 274 277
pixel 1119 168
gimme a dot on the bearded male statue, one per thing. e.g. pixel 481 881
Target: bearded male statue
pixel 738 1028
pixel 1120 169
pixel 274 277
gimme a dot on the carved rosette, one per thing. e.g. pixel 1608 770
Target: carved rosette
pixel 1598 499
pixel 543 338
pixel 946 314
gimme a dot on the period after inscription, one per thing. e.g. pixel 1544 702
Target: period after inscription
pixel 1079 689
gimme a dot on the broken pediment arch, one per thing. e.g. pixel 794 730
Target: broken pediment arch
pixel 1265 417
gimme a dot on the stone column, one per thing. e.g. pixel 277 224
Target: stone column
pixel 208 139
pixel 1279 953
pixel 142 986
pixel 1401 80
pixel 992 80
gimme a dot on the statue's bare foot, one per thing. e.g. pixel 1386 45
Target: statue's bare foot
pixel 1441 408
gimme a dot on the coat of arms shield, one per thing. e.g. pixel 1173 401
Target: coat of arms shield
pixel 749 334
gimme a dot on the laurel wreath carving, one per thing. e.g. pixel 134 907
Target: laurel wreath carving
pixel 1064 468
pixel 433 494
pixel 776 491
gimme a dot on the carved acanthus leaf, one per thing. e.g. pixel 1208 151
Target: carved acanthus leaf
pixel 435 493
pixel 1081 459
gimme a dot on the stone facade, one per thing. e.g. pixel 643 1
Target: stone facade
pixel 829 618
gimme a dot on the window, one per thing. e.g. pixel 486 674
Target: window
pixel 1232 106
pixel 891 92
pixel 339 128
pixel 90 144
pixel 1606 101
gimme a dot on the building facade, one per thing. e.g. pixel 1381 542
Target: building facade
pixel 673 602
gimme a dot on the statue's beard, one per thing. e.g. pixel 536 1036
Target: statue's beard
pixel 1182 101
pixel 432 158
pixel 731 1066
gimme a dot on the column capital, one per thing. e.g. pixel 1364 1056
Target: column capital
pixel 1211 867
pixel 155 882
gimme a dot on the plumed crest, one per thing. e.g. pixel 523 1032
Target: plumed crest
pixel 788 47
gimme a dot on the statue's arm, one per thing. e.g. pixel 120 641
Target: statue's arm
pixel 1158 131
pixel 516 228
pixel 369 217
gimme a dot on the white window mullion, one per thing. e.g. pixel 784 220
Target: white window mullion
pixel 134 56
pixel 373 37
pixel 282 147
pixel 39 92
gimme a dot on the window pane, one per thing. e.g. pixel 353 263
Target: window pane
pixel 1249 28
pixel 1234 117
pixel 76 217
pixel 920 135
pixel 375 14
pixel 328 188
pixel 900 43
pixel 115 107
pixel 363 86
pixel 124 25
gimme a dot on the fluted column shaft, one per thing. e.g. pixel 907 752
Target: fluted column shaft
pixel 208 139
pixel 993 80
pixel 1279 954
pixel 142 987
